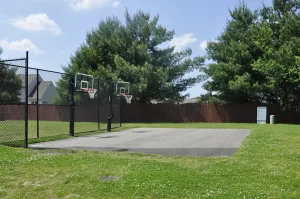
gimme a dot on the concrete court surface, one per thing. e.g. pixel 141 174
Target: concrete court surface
pixel 162 141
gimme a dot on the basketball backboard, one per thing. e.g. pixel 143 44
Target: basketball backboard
pixel 83 82
pixel 122 88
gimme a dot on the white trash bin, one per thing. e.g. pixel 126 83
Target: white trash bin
pixel 272 119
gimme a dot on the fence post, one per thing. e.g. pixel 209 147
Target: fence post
pixel 121 107
pixel 26 99
pixel 72 104
pixel 37 106
pixel 110 111
pixel 98 88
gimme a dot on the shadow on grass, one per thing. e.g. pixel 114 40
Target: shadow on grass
pixel 21 143
pixel 17 143
pixel 78 134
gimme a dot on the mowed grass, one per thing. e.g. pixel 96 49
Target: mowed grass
pixel 266 166
pixel 13 130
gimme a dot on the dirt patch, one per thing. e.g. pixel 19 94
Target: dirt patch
pixel 108 178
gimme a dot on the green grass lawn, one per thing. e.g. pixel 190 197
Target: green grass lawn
pixel 266 166
pixel 13 130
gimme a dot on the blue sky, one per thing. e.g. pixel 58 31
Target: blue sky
pixel 53 29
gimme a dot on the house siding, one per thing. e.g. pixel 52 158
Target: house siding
pixel 32 80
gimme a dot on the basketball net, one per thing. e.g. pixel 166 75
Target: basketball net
pixel 91 92
pixel 153 101
pixel 127 97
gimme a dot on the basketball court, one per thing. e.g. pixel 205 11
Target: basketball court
pixel 162 141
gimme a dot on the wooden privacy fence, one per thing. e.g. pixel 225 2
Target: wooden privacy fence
pixel 196 112
pixel 57 113
pixel 147 113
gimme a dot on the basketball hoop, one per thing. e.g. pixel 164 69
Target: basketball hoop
pixel 153 101
pixel 128 98
pixel 91 92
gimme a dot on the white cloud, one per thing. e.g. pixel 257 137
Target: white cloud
pixel 38 22
pixel 116 4
pixel 182 41
pixel 20 45
pixel 90 4
pixel 203 45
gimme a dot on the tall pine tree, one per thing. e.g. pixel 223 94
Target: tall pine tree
pixel 233 53
pixel 132 52
pixel 256 57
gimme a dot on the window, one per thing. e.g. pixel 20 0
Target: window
pixel 45 102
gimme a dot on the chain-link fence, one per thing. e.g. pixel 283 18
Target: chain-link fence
pixel 49 112
pixel 116 108
pixel 95 114
pixel 13 109
pixel 36 103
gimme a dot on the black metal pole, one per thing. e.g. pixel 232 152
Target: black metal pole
pixel 26 99
pixel 37 106
pixel 98 88
pixel 72 104
pixel 120 106
pixel 110 111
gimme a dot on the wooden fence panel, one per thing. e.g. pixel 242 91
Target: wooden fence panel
pixel 210 113
pixel 160 113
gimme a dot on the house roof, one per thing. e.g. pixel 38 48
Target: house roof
pixel 189 100
pixel 43 86
pixel 185 101
pixel 31 77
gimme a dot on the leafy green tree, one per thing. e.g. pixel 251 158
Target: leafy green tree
pixel 278 36
pixel 256 57
pixel 132 52
pixel 11 83
pixel 62 89
pixel 233 53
